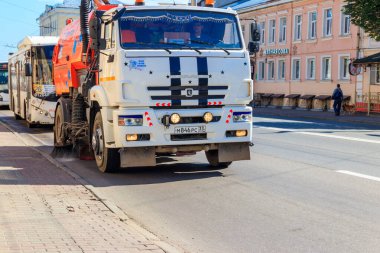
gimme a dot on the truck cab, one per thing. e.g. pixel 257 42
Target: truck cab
pixel 171 79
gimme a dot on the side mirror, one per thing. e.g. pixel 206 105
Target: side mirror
pixel 254 32
pixel 28 69
pixel 253 47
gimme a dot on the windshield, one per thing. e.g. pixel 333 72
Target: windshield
pixel 3 80
pixel 177 29
pixel 43 86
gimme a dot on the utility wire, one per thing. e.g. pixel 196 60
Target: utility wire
pixel 20 6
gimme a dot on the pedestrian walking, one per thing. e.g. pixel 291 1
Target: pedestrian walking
pixel 338 98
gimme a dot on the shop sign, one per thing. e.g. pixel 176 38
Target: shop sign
pixel 276 51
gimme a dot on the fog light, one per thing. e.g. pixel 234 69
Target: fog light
pixel 175 118
pixel 131 137
pixel 241 133
pixel 208 117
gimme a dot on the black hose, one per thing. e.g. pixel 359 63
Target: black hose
pixel 84 24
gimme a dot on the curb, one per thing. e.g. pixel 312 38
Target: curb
pixel 340 120
pixel 123 217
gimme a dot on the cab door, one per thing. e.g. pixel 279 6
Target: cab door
pixel 107 62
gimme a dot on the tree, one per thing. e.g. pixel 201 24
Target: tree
pixel 366 14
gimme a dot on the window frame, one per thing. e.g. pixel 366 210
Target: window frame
pixel 262 32
pixel 282 30
pixel 261 70
pixel 323 77
pixel 343 24
pixel 270 70
pixel 308 60
pixel 326 23
pixel 341 67
pixel 293 69
pixel 281 70
pixel 271 31
pixel 310 25
pixel 296 26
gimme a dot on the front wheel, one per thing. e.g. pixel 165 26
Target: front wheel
pixel 107 159
pixel 212 158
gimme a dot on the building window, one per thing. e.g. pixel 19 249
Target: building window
pixel 281 69
pixel 344 62
pixel 345 24
pixel 327 23
pixel 310 69
pixel 262 32
pixel 272 31
pixel 282 30
pixel 297 27
pixel 375 75
pixel 296 69
pixel 270 70
pixel 261 72
pixel 312 25
pixel 326 68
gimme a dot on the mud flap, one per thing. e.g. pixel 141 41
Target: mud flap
pixel 228 152
pixel 137 157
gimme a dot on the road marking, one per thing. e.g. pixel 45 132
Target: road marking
pixel 359 175
pixel 322 135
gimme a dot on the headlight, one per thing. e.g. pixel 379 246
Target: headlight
pixel 175 118
pixel 131 120
pixel 242 116
pixel 207 117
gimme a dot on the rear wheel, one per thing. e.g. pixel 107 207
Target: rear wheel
pixel 107 159
pixel 212 158
pixel 16 116
pixel 60 140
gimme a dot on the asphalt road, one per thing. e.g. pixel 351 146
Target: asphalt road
pixel 311 186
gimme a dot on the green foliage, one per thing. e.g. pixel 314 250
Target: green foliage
pixel 366 14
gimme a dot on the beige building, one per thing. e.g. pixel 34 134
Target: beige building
pixel 306 47
pixel 53 20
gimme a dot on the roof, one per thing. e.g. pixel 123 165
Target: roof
pixel 37 41
pixel 307 97
pixel 293 96
pixel 245 4
pixel 371 59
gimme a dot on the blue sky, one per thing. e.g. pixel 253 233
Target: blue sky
pixel 18 19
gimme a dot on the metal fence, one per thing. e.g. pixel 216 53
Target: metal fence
pixel 368 102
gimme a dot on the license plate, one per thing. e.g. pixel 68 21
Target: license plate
pixel 190 130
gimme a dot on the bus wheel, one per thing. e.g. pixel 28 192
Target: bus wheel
pixel 212 158
pixel 17 117
pixel 107 159
pixel 59 133
pixel 30 125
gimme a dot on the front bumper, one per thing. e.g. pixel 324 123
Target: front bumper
pixel 161 135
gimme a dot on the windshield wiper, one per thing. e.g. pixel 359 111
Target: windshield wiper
pixel 151 44
pixel 186 46
pixel 210 44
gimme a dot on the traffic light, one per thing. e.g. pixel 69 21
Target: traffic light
pixel 254 38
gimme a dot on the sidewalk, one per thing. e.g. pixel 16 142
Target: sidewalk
pixel 361 118
pixel 43 209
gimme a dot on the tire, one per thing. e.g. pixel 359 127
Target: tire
pixel 30 125
pixel 212 158
pixel 60 140
pixel 107 159
pixel 16 116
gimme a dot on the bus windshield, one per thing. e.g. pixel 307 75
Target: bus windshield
pixel 171 29
pixel 43 86
pixel 4 81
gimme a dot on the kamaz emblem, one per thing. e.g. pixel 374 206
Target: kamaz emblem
pixel 189 92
